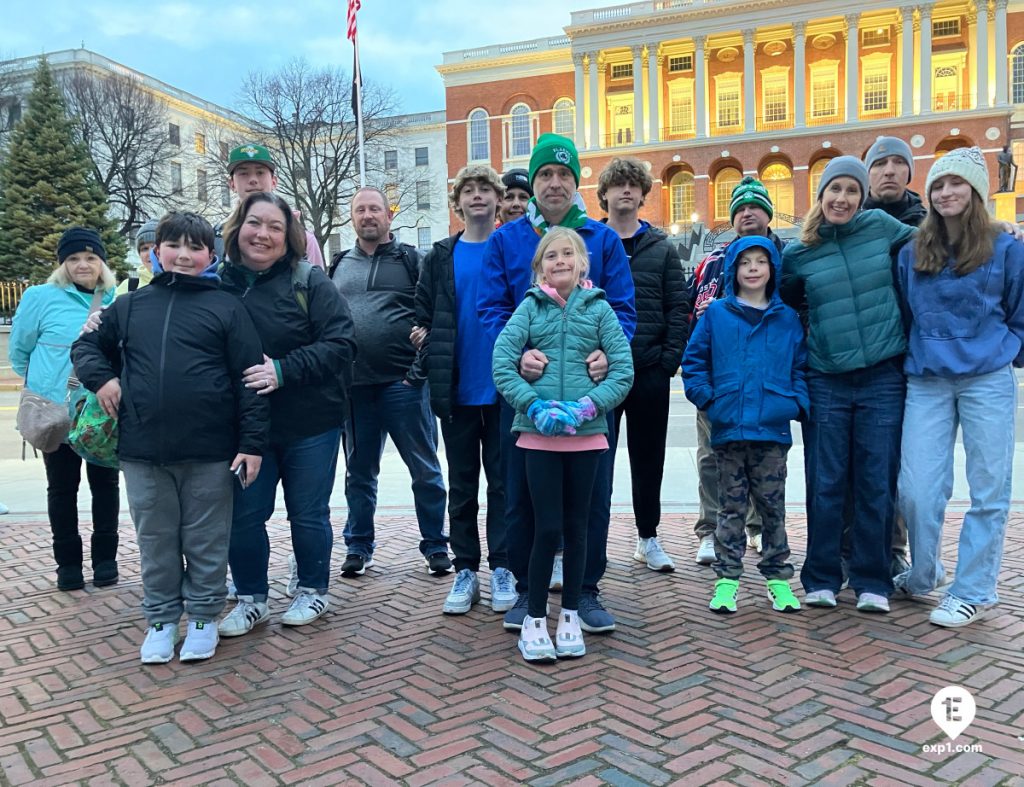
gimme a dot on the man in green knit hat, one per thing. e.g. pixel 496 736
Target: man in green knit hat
pixel 750 212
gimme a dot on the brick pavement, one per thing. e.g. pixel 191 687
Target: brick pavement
pixel 386 690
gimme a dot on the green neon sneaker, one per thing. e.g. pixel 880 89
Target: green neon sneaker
pixel 724 600
pixel 782 596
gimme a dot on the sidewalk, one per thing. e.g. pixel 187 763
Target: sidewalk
pixel 385 690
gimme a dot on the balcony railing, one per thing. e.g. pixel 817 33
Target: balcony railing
pixel 10 296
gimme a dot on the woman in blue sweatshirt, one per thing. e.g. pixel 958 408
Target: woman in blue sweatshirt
pixel 962 288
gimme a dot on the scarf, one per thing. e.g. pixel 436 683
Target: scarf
pixel 574 219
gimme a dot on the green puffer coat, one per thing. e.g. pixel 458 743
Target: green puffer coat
pixel 566 336
pixel 844 285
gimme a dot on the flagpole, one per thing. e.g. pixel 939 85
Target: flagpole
pixel 357 85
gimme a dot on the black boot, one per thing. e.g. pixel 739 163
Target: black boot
pixel 104 573
pixel 70 578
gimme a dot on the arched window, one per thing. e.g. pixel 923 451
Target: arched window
pixel 778 179
pixel 815 173
pixel 520 141
pixel 1017 65
pixel 565 117
pixel 479 136
pixel 726 180
pixel 681 197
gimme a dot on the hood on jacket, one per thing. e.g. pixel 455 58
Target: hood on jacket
pixel 209 273
pixel 737 247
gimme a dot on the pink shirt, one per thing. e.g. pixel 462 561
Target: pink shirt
pixel 313 252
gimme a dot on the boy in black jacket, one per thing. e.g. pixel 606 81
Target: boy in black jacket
pixel 167 362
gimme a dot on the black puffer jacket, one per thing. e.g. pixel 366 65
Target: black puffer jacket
pixel 662 308
pixel 313 345
pixel 909 209
pixel 185 346
pixel 435 311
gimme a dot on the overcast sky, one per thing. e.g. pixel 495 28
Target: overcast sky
pixel 207 46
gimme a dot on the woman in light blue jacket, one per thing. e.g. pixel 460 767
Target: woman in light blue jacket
pixel 47 322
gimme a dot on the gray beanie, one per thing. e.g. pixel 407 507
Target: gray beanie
pixel 890 146
pixel 146 234
pixel 845 166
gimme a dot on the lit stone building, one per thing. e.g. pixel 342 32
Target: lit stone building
pixel 706 91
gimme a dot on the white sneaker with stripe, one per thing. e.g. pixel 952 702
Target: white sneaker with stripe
pixel 307 607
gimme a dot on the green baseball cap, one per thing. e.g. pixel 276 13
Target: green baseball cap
pixel 250 153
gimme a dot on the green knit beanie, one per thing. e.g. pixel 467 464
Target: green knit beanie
pixel 750 191
pixel 554 149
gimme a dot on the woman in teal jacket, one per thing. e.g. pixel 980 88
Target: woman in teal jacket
pixel 839 275
pixel 46 324
pixel 561 423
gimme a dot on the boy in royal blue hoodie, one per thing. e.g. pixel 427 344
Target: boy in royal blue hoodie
pixel 744 365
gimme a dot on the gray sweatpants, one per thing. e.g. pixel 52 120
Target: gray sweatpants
pixel 182 516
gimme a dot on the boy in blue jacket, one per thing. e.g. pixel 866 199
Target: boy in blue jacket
pixel 744 365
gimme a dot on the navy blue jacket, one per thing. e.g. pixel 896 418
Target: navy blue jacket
pixel 749 378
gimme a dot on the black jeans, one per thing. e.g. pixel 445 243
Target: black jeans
pixel 561 484
pixel 63 475
pixel 646 411
pixel 472 435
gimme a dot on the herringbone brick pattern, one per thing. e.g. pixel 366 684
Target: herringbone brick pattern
pixel 386 690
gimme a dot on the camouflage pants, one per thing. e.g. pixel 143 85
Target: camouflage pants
pixel 707 485
pixel 751 471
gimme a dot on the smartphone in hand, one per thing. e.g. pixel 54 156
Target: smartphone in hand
pixel 242 475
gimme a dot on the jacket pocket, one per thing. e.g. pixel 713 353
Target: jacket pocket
pixel 778 404
pixel 725 408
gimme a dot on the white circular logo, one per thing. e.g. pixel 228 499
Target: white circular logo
pixel 562 156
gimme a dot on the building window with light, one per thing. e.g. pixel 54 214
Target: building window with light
pixel 875 83
pixel 1017 59
pixel 680 107
pixel 824 79
pixel 814 176
pixel 565 117
pixel 682 197
pixel 775 95
pixel 479 136
pixel 726 180
pixel 520 136
pixel 778 179
pixel 727 101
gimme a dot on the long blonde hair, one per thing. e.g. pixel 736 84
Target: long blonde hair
pixel 549 237
pixel 61 278
pixel 974 249
pixel 809 231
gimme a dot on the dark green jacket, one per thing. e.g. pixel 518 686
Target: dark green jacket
pixel 566 336
pixel 844 287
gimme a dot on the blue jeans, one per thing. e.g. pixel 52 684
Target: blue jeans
pixel 403 412
pixel 519 522
pixel 852 442
pixel 983 406
pixel 306 469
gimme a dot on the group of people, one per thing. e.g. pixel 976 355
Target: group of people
pixel 529 336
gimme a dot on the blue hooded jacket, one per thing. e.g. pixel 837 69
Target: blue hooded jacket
pixel 749 378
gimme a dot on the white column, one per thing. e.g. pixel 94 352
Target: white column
pixel 638 95
pixel 595 107
pixel 907 44
pixel 581 99
pixel 700 87
pixel 653 92
pixel 1001 52
pixel 749 88
pixel 972 60
pixel 799 75
pixel 981 53
pixel 852 81
pixel 926 59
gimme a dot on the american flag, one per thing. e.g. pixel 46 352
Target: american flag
pixel 353 7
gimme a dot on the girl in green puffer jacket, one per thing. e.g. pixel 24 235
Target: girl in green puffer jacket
pixel 561 421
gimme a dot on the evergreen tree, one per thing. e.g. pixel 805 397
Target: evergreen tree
pixel 47 185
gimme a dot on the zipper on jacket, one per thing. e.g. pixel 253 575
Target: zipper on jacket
pixel 561 371
pixel 163 359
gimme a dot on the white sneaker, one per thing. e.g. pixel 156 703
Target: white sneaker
pixel 503 590
pixel 706 551
pixel 158 647
pixel 307 607
pixel 241 620
pixel 293 577
pixel 534 642
pixel 954 613
pixel 464 594
pixel 754 542
pixel 649 551
pixel 556 573
pixel 872 602
pixel 569 636
pixel 200 641
pixel 820 598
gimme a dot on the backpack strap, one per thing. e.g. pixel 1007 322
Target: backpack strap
pixel 410 258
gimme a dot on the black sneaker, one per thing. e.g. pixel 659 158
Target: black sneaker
pixel 514 617
pixel 104 573
pixel 355 565
pixel 70 578
pixel 438 563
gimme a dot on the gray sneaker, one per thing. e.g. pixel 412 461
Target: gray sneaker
pixel 464 594
pixel 649 551
pixel 503 590
pixel 706 551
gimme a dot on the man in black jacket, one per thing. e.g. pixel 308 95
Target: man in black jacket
pixel 657 345
pixel 462 393
pixel 890 166
pixel 378 277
